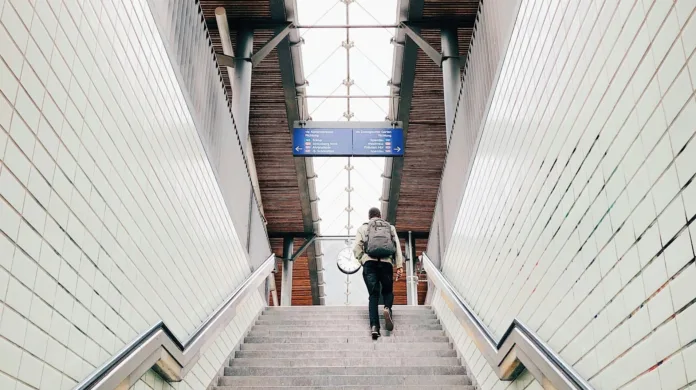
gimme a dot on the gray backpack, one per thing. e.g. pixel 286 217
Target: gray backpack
pixel 379 242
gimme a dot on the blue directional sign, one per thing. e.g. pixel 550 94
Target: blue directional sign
pixel 326 142
pixel 378 142
pixel 322 142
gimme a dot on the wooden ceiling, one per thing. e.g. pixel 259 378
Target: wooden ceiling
pixel 268 126
pixel 426 143
pixel 272 141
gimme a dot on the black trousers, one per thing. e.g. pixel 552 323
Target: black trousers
pixel 378 274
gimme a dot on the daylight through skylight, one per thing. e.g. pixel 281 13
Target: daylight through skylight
pixel 348 71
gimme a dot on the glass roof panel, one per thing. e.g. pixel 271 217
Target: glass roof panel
pixel 320 12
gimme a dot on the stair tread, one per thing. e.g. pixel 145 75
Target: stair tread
pixel 346 326
pixel 344 340
pixel 394 361
pixel 352 323
pixel 309 354
pixel 329 313
pixel 436 387
pixel 346 309
pixel 343 380
pixel 343 333
pixel 351 370
pixel 345 314
pixel 345 346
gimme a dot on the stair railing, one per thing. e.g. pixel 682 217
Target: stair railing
pixel 157 348
pixel 519 348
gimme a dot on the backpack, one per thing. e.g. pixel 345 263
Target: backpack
pixel 379 242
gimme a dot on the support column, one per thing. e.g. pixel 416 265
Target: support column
pixel 411 287
pixel 286 284
pixel 414 276
pixel 407 269
pixel 450 74
pixel 240 78
pixel 241 84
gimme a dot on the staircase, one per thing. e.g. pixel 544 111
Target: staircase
pixel 330 347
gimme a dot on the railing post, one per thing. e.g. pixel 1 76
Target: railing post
pixel 286 283
pixel 270 282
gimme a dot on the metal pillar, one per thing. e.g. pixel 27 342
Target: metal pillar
pixel 411 279
pixel 414 278
pixel 286 283
pixel 224 30
pixel 241 84
pixel 450 74
pixel 407 265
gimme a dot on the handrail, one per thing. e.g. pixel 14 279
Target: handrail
pixel 159 349
pixel 519 348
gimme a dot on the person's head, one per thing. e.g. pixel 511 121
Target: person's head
pixel 375 213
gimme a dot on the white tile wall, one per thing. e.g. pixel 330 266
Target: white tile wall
pixel 578 215
pixel 110 215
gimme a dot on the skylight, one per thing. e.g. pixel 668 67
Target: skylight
pixel 340 62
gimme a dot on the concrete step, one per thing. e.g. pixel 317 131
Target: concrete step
pixel 331 327
pixel 293 316
pixel 418 387
pixel 355 322
pixel 344 309
pixel 295 354
pixel 345 362
pixel 360 332
pixel 345 380
pixel 395 338
pixel 331 371
pixel 376 346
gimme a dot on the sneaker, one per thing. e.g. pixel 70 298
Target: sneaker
pixel 375 333
pixel 389 323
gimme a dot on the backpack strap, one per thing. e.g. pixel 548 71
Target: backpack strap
pixel 365 237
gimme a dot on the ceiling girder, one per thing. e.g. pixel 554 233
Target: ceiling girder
pixel 465 21
pixel 260 55
pixel 303 235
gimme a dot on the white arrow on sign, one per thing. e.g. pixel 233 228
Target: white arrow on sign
pixel 398 149
pixel 297 148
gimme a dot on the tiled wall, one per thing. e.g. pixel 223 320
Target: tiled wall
pixel 483 61
pixel 182 28
pixel 111 217
pixel 578 214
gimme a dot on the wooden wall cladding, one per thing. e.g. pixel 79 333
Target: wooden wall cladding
pixel 301 291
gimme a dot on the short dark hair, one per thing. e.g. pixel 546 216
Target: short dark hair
pixel 375 213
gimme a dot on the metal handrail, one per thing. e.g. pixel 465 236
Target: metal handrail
pixel 157 348
pixel 519 348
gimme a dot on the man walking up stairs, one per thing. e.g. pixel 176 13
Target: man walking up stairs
pixel 378 249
